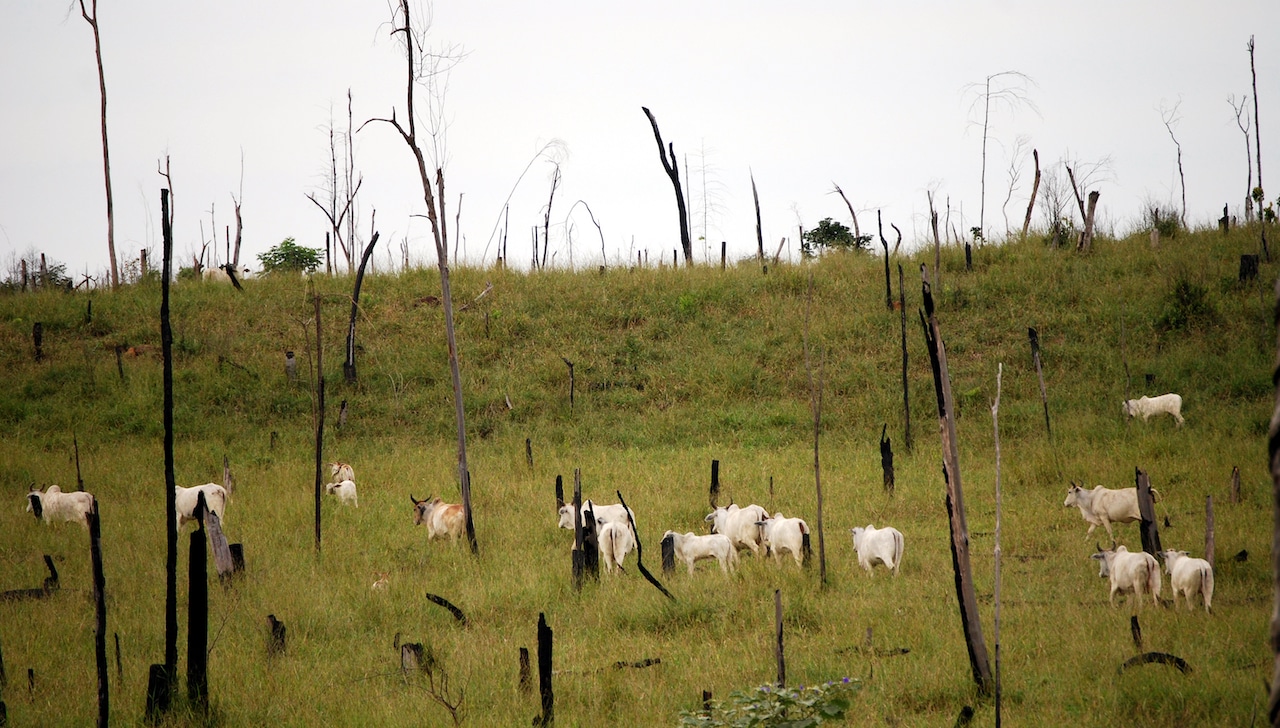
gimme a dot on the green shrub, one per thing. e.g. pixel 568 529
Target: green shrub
pixel 289 256
pixel 1187 305
pixel 768 705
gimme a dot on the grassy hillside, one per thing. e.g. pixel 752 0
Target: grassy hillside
pixel 672 369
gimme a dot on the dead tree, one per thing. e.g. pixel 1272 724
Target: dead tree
pixel 349 366
pixel 319 449
pixel 163 692
pixel 888 286
pixel 937 243
pixel 906 399
pixel 673 172
pixel 856 232
pixel 546 220
pixel 1257 142
pixel 995 426
pixel 755 197
pixel 815 405
pixel 428 69
pixel 1149 529
pixel 1273 457
pixel 1035 188
pixel 886 459
pixel 92 20
pixel 100 616
pixel 965 593
pixel 1170 118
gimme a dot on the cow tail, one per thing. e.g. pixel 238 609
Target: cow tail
pixel 1154 583
pixel 1206 586
pixel 897 550
pixel 611 555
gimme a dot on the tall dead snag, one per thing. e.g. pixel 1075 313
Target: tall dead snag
pixel 856 232
pixel 1035 188
pixel 673 172
pixel 319 450
pixel 1258 191
pixel 777 646
pixel 349 367
pixel 1149 530
pixel 640 551
pixel 1086 237
pixel 906 400
pixel 886 459
pixel 100 615
pixel 888 287
pixel 1044 396
pixel 995 426
pixel 955 497
pixel 92 20
pixel 755 197
pixel 937 243
pixel 815 405
pixel 426 70
pixel 163 691
pixel 1273 456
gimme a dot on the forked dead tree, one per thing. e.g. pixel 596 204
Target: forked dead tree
pixel 426 69
pixel 1170 118
pixel 673 172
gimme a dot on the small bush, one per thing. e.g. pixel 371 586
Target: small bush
pixel 1186 306
pixel 768 705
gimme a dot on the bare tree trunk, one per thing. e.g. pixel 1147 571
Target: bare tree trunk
pixel 669 164
pixel 937 244
pixel 319 451
pixel 92 20
pixel 965 593
pixel 995 426
pixel 1257 141
pixel 170 482
pixel 856 232
pixel 888 286
pixel 815 404
pixel 100 616
pixel 1273 456
pixel 546 220
pixel 349 367
pixel 1035 188
pixel 1075 190
pixel 906 399
pixel 755 197
pixel 777 628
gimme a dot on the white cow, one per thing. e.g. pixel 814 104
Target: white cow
pixel 878 546
pixel 1188 576
pixel 442 519
pixel 615 513
pixel 54 505
pixel 1104 506
pixel 691 548
pixel 1130 572
pixel 740 525
pixel 219 274
pixel 345 490
pixel 341 471
pixel 615 542
pixel 784 534
pixel 1165 404
pixel 215 498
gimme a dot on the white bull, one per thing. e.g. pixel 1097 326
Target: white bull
pixel 1130 572
pixel 878 546
pixel 615 513
pixel 691 548
pixel 186 499
pixel 345 490
pixel 442 519
pixel 615 542
pixel 54 505
pixel 1189 577
pixel 785 534
pixel 1165 404
pixel 1104 506
pixel 740 525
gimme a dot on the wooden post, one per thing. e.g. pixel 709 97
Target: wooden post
pixel 198 614
pixel 777 651
pixel 291 367
pixel 1035 187
pixel 1235 483
pixel 24 275
pixel 968 256
pixel 1086 237
pixel 37 338
pixel 888 287
pixel 559 492
pixel 1044 397
pixel 411 657
pixel 526 683
pixel 577 554
pixel 995 426
pixel 571 383
pixel 100 615
pixel 143 266
pixel 668 555
pixel 715 483
pixel 965 593
pixel 222 559
pixel 274 435
pixel 1146 508
pixel 119 362
pixel 706 702
pixel 886 459
pixel 169 672
pixel 276 636
pixel 1208 529
pixel 157 693
pixel 228 482
pixel 906 400
pixel 1224 222
pixel 544 671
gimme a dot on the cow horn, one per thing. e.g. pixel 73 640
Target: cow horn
pixel 415 500
pixel 1097 546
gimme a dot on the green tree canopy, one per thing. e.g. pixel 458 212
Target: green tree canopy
pixel 834 235
pixel 289 256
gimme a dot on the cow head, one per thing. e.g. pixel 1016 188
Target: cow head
pixel 1073 492
pixel 857 535
pixel 422 509
pixel 566 516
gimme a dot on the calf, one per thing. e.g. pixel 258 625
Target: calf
pixel 215 499
pixel 785 534
pixel 741 525
pixel 1103 506
pixel 1130 572
pixel 442 519
pixel 1188 576
pixel 345 490
pixel 878 546
pixel 615 542
pixel 690 548
pixel 1165 404
pixel 54 505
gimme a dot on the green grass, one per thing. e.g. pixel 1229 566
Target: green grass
pixel 672 369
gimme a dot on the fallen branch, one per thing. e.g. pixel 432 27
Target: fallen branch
pixel 1161 657
pixel 50 586
pixel 639 551
pixel 457 613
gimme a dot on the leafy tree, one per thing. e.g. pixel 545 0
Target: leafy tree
pixel 289 256
pixel 831 234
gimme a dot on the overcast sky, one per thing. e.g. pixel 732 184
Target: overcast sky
pixel 875 97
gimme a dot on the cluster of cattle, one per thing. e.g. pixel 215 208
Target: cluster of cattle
pixel 53 505
pixel 1138 573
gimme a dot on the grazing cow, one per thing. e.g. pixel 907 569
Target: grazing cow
pixel 878 546
pixel 690 548
pixel 615 542
pixel 1188 576
pixel 442 519
pixel 1165 404
pixel 1104 506
pixel 784 534
pixel 215 498
pixel 54 505
pixel 222 274
pixel 346 492
pixel 740 525
pixel 615 513
pixel 1130 572
pixel 341 471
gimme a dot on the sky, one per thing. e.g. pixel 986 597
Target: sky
pixel 878 98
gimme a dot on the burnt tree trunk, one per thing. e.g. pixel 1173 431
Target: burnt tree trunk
pixel 714 494
pixel 888 286
pixel 544 672
pixel 965 594
pixel 906 399
pixel 100 615
pixel 777 648
pixel 349 366
pixel 669 164
pixel 1208 529
pixel 886 459
pixel 578 554
pixel 164 693
pixel 198 614
pixel 755 197
pixel 1035 188
pixel 1146 509
pixel 1086 237
pixel 319 450
pixel 1044 397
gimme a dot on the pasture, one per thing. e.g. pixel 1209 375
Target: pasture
pixel 674 368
